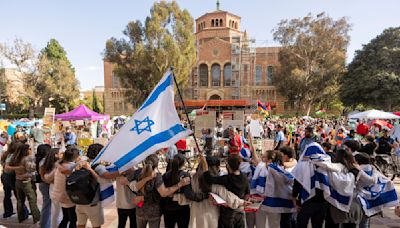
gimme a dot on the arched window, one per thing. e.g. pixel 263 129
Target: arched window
pixel 270 71
pixel 220 22
pixel 215 97
pixel 216 23
pixel 257 78
pixel 216 74
pixel 212 23
pixel 203 72
pixel 228 75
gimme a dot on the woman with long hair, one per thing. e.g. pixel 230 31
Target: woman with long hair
pixel 355 215
pixel 149 184
pixel 47 171
pixel 59 193
pixel 8 179
pixel 171 207
pixel 45 215
pixel 24 160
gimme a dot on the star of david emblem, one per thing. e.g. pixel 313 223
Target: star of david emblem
pixel 143 125
pixel 373 192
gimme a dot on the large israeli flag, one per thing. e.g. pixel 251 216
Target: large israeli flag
pixel 155 125
pixel 316 171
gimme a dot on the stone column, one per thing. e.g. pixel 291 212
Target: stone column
pixel 209 79
pixel 222 77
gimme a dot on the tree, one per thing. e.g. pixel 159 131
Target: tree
pixel 166 39
pixel 311 59
pixel 373 77
pixel 23 56
pixel 92 102
pixel 59 75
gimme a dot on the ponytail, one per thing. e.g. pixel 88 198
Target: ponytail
pixel 177 162
pixel 150 164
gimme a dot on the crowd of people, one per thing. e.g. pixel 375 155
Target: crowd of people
pixel 247 180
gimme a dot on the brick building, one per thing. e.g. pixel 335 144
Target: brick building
pixel 114 98
pixel 229 68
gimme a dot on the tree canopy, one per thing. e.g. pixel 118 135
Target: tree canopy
pixel 311 59
pixel 373 77
pixel 166 39
pixel 59 76
pixel 45 76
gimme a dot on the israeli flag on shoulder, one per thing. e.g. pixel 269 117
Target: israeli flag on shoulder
pixel 316 171
pixel 279 194
pixel 107 195
pixel 155 125
pixel 375 197
pixel 257 183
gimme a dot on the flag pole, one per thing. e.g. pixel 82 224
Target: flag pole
pixel 184 108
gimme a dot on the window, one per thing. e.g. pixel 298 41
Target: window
pixel 216 22
pixel 220 22
pixel 115 81
pixel 228 74
pixel 286 106
pixel 212 23
pixel 270 71
pixel 203 72
pixel 257 78
pixel 216 74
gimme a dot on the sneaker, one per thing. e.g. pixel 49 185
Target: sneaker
pixel 8 215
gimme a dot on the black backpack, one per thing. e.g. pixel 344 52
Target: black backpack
pixel 82 187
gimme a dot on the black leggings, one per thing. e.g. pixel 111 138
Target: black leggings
pixel 69 216
pixel 123 215
pixel 180 217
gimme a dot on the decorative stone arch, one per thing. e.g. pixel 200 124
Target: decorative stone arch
pixel 214 94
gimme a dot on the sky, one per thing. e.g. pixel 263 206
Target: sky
pixel 83 26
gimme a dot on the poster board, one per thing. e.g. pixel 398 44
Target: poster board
pixel 48 118
pixel 206 120
pixel 233 118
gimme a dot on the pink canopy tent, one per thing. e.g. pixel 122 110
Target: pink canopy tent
pixel 81 113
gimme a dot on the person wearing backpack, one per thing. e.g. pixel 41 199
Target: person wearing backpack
pixel 59 193
pixel 94 211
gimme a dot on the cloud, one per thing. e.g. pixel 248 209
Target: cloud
pixel 93 68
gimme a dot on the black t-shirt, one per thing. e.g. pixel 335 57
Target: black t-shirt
pixel 168 203
pixel 237 184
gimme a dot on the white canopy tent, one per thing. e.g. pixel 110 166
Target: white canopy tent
pixel 373 114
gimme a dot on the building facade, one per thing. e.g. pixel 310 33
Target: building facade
pixel 229 68
pixel 114 95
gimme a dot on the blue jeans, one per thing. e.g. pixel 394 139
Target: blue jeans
pixel 45 214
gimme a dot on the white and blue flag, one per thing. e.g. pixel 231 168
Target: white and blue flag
pixel 257 183
pixel 279 190
pixel 316 171
pixel 375 197
pixel 155 125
